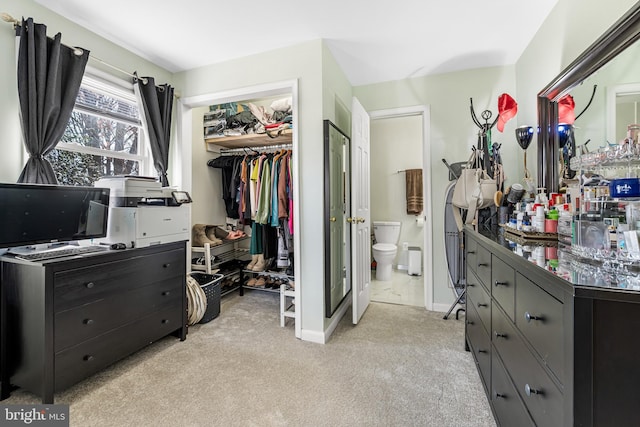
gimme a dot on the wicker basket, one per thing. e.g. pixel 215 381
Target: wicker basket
pixel 210 284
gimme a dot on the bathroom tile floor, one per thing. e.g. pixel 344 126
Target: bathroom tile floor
pixel 401 289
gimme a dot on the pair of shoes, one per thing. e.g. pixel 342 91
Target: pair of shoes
pixel 232 235
pixel 199 236
pixel 258 265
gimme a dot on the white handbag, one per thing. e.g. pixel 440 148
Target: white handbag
pixel 474 190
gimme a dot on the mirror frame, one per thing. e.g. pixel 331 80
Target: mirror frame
pixel 330 308
pixel 622 34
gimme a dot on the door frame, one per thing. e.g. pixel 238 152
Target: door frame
pixel 425 112
pixel 185 140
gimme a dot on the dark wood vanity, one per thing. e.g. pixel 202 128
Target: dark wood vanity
pixel 554 346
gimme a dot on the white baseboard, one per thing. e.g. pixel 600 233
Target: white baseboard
pixel 443 308
pixel 322 337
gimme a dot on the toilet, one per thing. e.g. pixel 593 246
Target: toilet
pixel 387 234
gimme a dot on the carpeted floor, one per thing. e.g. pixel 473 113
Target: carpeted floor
pixel 401 366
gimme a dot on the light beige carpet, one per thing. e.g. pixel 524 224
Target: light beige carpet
pixel 401 366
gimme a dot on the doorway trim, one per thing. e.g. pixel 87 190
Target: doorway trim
pixel 425 112
pixel 185 140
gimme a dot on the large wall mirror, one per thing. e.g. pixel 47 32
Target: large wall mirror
pixel 337 250
pixel 611 65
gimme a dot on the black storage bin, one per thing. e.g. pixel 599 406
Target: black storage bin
pixel 210 284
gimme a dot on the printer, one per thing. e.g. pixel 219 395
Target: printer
pixel 143 213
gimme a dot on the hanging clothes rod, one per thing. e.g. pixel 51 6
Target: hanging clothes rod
pixel 254 150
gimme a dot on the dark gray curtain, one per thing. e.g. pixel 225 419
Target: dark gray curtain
pixel 158 104
pixel 49 77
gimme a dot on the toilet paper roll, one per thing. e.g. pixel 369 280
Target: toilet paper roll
pixel 420 221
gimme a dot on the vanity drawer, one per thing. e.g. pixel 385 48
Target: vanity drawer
pixel 508 408
pixel 484 266
pixel 503 285
pixel 539 317
pixel 480 343
pixel 90 320
pixel 537 390
pixel 471 248
pixel 478 297
pixel 82 285
pixel 89 357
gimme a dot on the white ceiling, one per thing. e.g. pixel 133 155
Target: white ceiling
pixel 372 40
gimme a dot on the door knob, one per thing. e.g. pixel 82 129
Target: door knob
pixel 359 220
pixel 350 220
pixel 332 219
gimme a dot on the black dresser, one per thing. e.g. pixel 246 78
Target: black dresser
pixel 66 319
pixel 554 337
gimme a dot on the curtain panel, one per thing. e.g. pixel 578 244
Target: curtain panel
pixel 157 102
pixel 49 77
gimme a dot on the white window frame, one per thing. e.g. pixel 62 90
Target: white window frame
pixel 107 84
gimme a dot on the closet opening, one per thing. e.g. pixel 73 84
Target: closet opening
pixel 203 148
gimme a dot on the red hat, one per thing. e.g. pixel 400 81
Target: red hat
pixel 507 109
pixel 565 110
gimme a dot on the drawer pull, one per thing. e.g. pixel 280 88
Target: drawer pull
pixel 87 358
pixel 165 321
pixel 482 351
pixel 499 335
pixel 482 305
pixel 471 285
pixel 167 265
pixel 469 322
pixel 531 317
pixel 529 391
pixel 165 293
pixel 88 321
pixel 483 264
pixel 498 395
pixel 471 252
pixel 498 283
pixel 89 285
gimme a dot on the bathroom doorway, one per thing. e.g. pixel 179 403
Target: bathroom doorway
pixel 398 144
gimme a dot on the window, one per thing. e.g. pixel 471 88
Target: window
pixel 104 136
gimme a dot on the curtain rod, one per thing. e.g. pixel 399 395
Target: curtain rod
pixel 11 20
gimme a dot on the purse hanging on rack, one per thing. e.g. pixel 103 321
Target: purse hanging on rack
pixel 474 190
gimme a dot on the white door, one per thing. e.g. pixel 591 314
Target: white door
pixel 361 214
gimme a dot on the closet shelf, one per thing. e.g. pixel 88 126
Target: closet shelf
pixel 251 140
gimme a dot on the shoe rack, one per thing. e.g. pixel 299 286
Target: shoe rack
pixel 274 282
pixel 216 255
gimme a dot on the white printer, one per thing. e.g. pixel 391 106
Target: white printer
pixel 143 213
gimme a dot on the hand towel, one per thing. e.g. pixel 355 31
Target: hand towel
pixel 414 191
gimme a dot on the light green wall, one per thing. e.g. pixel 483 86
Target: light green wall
pixel 11 161
pixel 452 135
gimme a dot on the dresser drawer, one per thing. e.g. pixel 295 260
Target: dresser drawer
pixel 79 286
pixel 539 317
pixel 484 266
pixel 89 320
pixel 83 360
pixel 480 343
pixel 503 285
pixel 471 248
pixel 507 405
pixel 537 390
pixel 478 297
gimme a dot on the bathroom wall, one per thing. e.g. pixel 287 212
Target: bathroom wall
pixel 396 145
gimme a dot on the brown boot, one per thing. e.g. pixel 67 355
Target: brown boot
pixel 199 237
pixel 210 232
pixel 260 265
